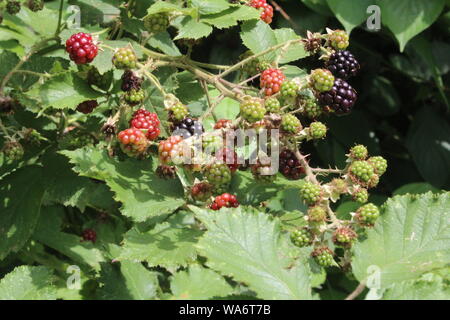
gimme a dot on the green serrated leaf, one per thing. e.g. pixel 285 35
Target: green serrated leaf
pixel 258 36
pixel 292 52
pixel 411 237
pixel 210 6
pixel 28 283
pixel 198 283
pixel 247 246
pixel 350 13
pixel 231 17
pixel 190 28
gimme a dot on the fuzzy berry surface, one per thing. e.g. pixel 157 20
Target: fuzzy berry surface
pixel 301 237
pixel 89 235
pixel 229 157
pixel 344 236
pixel 311 108
pixel 310 192
pixel 125 58
pixel 224 200
pixel 317 130
pixel 322 80
pixel 132 142
pixel 317 214
pixel 359 152
pixel 201 191
pixel 13 7
pixel 179 111
pixel 81 48
pixel 361 171
pixel 252 110
pixel 367 214
pixel 272 105
pixel 169 149
pixel 266 12
pixel 271 81
pixel 223 124
pixel 323 256
pixel 338 40
pixel 379 164
pixel 290 166
pixel 188 127
pixel 131 81
pixel 290 124
pixel 341 98
pixel 156 23
pixel 361 195
pixel 134 96
pixel 13 151
pixel 148 122
pixel 87 107
pixel 289 89
pixel 218 174
pixel 343 64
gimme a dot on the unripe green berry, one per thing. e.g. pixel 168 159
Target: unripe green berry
pixel 35 5
pixel 211 143
pixel 252 110
pixel 13 151
pixel 75 139
pixel 290 123
pixel 367 214
pixel 251 67
pixel 179 111
pixel 361 195
pixel 361 170
pixel 125 58
pixel 301 237
pixel 156 23
pixel 218 174
pixel 323 256
pixel 289 89
pixel 339 40
pixel 13 7
pixel 317 130
pixel 358 152
pixel 322 80
pixel 134 96
pixel 344 236
pixel 339 186
pixel 317 214
pixel 310 192
pixel 379 164
pixel 311 108
pixel 272 105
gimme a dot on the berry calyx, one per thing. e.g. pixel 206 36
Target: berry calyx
pixel 374 180
pixel 218 174
pixel 201 191
pixel 252 110
pixel 188 127
pixel 271 81
pixel 339 186
pixel 223 124
pixel 322 80
pixel 341 98
pixel 225 200
pixel 367 215
pixel 310 192
pixel 148 122
pixel 289 89
pixel 89 235
pixel 338 39
pixel 323 256
pixel 344 236
pixel 290 166
pixel 87 107
pixel 361 171
pixel 132 142
pixel 361 195
pixel 343 64
pixel 13 7
pixel 124 58
pixel 82 48
pixel 134 96
pixel 131 81
pixel 179 111
pixel 317 130
pixel 379 164
pixel 290 124
pixel 156 23
pixel 359 152
pixel 272 105
pixel 13 151
pixel 301 237
pixel 170 150
pixel 266 10
pixel 317 214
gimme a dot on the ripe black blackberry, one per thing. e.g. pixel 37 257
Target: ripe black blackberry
pixel 6 105
pixel 343 64
pixel 130 81
pixel 341 98
pixel 290 167
pixel 188 127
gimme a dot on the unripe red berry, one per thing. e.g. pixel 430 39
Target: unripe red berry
pixel 81 48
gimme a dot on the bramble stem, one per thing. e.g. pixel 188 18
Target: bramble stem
pixel 359 289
